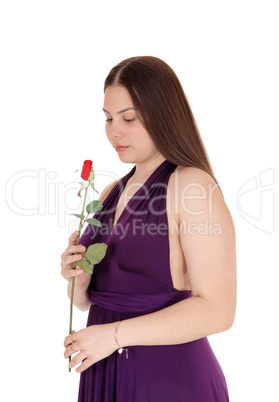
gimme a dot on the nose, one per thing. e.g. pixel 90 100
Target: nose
pixel 114 130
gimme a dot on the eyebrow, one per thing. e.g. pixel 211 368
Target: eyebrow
pixel 121 111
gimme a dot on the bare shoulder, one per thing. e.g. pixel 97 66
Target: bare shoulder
pixel 191 181
pixel 106 190
pixel 192 177
pixel 196 195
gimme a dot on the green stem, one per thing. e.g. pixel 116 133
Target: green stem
pixel 74 267
pixel 84 220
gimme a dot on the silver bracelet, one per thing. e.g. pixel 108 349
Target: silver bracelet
pixel 120 349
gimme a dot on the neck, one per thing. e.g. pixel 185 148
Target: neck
pixel 145 169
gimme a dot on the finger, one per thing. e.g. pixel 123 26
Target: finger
pixel 70 273
pixel 73 249
pixel 73 237
pixel 70 350
pixel 70 259
pixel 86 363
pixel 68 264
pixel 68 256
pixel 73 347
pixel 78 358
pixel 70 339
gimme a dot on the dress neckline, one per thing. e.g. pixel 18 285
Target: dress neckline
pixel 122 184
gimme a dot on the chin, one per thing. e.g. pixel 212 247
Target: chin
pixel 127 158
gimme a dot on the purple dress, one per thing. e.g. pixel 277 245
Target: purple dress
pixel 134 279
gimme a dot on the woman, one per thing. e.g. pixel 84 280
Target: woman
pixel 169 276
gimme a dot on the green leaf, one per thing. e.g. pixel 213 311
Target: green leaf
pixel 78 216
pixel 92 185
pixel 95 253
pixel 91 176
pixel 94 222
pixel 84 265
pixel 94 206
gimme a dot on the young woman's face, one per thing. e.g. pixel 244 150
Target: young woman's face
pixel 124 128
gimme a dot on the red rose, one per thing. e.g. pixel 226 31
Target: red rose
pixel 86 170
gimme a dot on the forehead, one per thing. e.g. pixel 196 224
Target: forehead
pixel 117 96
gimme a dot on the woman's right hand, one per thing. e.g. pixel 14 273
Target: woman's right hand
pixel 72 254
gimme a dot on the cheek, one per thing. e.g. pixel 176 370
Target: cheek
pixel 107 131
pixel 146 139
pixel 141 134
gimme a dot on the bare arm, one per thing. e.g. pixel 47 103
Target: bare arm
pixel 72 254
pixel 211 265
pixel 81 297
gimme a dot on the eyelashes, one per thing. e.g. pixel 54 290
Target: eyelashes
pixel 126 120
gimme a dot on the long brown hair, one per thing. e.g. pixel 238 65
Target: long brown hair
pixel 157 94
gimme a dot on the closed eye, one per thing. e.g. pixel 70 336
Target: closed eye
pixel 129 120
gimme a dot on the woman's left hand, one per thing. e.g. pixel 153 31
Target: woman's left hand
pixel 90 345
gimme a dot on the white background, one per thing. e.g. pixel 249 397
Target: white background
pixel 55 56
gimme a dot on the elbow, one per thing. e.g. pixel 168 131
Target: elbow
pixel 222 316
pixel 226 320
pixel 84 306
pixel 231 318
pixel 221 325
pixel 225 309
pixel 228 324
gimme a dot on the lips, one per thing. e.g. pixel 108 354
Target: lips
pixel 120 148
